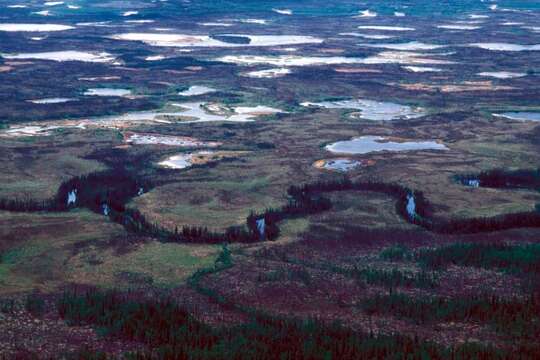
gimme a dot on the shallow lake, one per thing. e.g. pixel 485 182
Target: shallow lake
pixel 368 144
pixel 373 110
pixel 521 115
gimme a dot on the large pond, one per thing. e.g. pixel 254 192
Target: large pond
pixel 369 144
pixel 521 115
pixel 180 161
pixel 107 92
pixel 168 140
pixel 201 157
pixel 373 110
pixel 196 90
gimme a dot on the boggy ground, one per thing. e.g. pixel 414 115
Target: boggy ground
pixel 331 266
pixel 326 267
pixel 307 271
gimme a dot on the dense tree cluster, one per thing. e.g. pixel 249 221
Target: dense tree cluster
pixel 113 188
pixel 499 178
pixel 171 333
pixel 515 317
pixel 29 205
pixel 500 256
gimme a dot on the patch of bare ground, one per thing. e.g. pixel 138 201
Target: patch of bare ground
pixel 470 281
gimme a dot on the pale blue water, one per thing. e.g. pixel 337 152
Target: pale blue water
pixel 522 115
pixel 369 144
pixel 411 206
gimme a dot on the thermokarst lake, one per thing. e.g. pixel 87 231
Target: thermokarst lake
pixel 520 115
pixel 372 110
pixel 369 144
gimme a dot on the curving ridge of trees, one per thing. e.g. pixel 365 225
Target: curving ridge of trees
pixel 108 193
pixel 113 188
pixel 422 215
pixel 503 179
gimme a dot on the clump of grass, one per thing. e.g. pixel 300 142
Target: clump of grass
pixel 7 306
pixel 34 304
pixel 225 257
pixel 285 275
pixel 397 278
pixel 396 253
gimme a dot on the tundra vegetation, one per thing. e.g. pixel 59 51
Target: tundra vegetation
pixel 194 180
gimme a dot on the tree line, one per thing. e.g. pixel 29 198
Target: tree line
pixel 109 191
pixel 499 178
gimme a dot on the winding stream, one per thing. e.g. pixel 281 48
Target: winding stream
pixel 108 193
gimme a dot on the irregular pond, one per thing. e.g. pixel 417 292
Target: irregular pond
pixel 368 144
pixel 35 130
pixel 204 112
pixel 191 112
pixel 373 110
pixel 51 100
pixel 70 55
pixel 107 92
pixel 185 40
pixel 458 27
pixel 341 165
pixel 520 115
pixel 168 140
pixel 411 206
pixel 288 60
pixel 421 69
pixel 502 74
pixel 185 160
pixel 180 161
pixel 9 27
pixel 195 112
pixel 267 74
pixel 385 57
pixel 506 47
pixel 196 90
pixel 283 11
